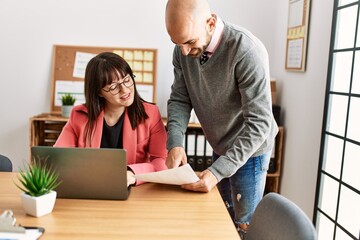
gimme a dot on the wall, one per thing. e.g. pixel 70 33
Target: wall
pixel 301 96
pixel 30 28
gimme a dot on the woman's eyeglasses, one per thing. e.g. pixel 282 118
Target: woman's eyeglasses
pixel 115 87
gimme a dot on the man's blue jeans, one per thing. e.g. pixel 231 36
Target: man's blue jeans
pixel 243 191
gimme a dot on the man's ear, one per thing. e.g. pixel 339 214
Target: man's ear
pixel 211 23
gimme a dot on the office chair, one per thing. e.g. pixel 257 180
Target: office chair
pixel 277 218
pixel 5 164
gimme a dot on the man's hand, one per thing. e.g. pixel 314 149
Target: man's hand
pixel 176 157
pixel 130 178
pixel 207 182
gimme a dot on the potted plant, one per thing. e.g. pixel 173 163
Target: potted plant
pixel 38 183
pixel 68 101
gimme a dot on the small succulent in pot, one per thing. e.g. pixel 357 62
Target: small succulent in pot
pixel 68 99
pixel 38 179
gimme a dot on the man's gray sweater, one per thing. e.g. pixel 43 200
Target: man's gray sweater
pixel 231 97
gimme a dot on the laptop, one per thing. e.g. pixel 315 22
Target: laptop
pixel 87 173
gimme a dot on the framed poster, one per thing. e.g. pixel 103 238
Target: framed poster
pixel 297 31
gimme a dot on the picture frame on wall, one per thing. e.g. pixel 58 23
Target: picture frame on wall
pixel 297 35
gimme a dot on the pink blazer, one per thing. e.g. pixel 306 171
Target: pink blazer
pixel 145 146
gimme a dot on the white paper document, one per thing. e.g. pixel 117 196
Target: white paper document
pixel 75 88
pixel 145 91
pixel 176 176
pixel 81 61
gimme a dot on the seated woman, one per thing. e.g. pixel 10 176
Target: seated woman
pixel 115 116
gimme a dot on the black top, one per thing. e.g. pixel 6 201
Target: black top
pixel 112 135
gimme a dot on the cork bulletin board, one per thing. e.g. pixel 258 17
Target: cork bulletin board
pixel 68 71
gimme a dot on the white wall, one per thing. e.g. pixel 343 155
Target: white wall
pixel 28 30
pixel 301 96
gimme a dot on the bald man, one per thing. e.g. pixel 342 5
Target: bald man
pixel 222 72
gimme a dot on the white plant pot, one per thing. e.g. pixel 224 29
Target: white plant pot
pixel 66 110
pixel 38 206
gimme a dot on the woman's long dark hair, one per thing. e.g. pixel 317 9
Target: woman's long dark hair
pixel 102 70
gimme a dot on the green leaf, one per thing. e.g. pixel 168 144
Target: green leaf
pixel 36 179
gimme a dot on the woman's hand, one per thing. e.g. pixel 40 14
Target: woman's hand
pixel 130 178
